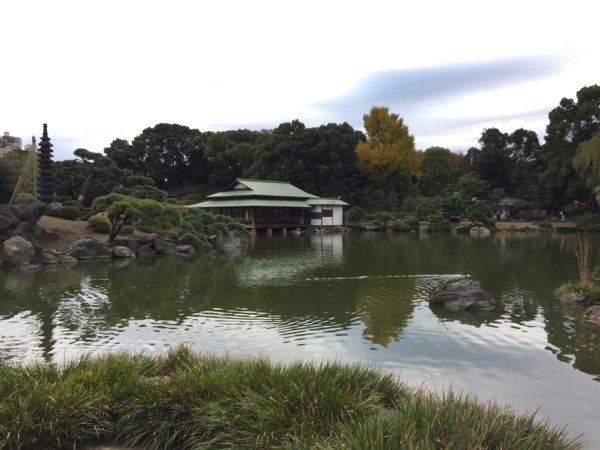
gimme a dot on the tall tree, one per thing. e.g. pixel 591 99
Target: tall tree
pixel 95 164
pixel 388 155
pixel 570 123
pixel 587 161
pixel 319 160
pixel 492 161
pixel 525 164
pixel 164 153
pixel 439 170
pixel 230 153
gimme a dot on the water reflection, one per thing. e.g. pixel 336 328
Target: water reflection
pixel 334 293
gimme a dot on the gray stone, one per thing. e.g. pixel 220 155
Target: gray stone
pixel 424 229
pixel 21 221
pixel 592 314
pixel 479 232
pixel 20 250
pixel 28 268
pixel 31 213
pixel 126 242
pixel 126 230
pixel 185 249
pixel 462 295
pixel 141 239
pixel 8 220
pixel 44 257
pixel 146 252
pixel 67 260
pixel 573 299
pixel 163 247
pixel 123 252
pixel 89 248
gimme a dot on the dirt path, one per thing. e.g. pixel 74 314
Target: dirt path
pixel 68 232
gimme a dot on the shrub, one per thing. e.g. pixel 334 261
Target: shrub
pixel 99 223
pixel 440 224
pixel 69 213
pixel 587 221
pixel 356 214
pixel 545 225
pixel 190 238
pixel 218 227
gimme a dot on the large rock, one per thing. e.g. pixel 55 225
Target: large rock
pixel 592 314
pixel 89 248
pixel 8 220
pixel 20 221
pixel 462 295
pixel 20 250
pixel 479 232
pixel 234 239
pixel 146 252
pixel 162 247
pixel 573 299
pixel 123 252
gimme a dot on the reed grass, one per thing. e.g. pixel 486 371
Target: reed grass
pixel 183 400
pixel 583 261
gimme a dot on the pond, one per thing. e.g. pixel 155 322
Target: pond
pixel 356 297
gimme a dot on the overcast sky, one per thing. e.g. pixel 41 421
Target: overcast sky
pixel 98 71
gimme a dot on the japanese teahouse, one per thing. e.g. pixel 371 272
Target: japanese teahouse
pixel 260 204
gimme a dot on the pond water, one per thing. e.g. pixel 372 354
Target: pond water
pixel 357 297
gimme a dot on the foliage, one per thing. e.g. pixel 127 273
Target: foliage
pixel 587 221
pixel 318 160
pixel 139 186
pixel 69 213
pixel 356 214
pixel 591 291
pixel 439 170
pixel 545 225
pixel 570 124
pixel 440 223
pixel 99 223
pixel 480 211
pixel 472 186
pixel 185 400
pixel 171 154
pixel 230 154
pixel 389 152
pixel 587 161
pixel 95 164
pixel 190 238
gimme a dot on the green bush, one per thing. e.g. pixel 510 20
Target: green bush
pixel 545 225
pixel 440 224
pixel 69 213
pixel 356 214
pixel 99 223
pixel 587 221
pixel 190 238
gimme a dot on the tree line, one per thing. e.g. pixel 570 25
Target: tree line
pixel 379 169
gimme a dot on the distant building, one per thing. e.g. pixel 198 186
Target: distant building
pixel 9 143
pixel 262 204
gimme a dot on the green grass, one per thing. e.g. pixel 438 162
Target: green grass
pixel 184 400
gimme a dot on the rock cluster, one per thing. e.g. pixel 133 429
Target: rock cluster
pixel 19 227
pixel 462 295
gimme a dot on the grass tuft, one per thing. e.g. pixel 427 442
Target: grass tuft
pixel 183 400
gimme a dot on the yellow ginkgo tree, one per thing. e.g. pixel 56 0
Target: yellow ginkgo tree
pixel 389 151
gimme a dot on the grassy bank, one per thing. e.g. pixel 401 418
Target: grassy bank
pixel 184 400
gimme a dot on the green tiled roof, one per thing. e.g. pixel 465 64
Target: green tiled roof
pixel 259 188
pixel 248 202
pixel 327 201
